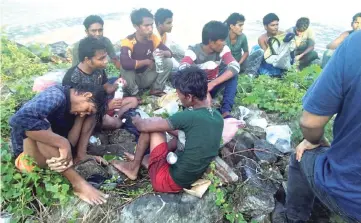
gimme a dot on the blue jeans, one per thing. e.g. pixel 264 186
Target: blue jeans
pixel 230 91
pixel 301 189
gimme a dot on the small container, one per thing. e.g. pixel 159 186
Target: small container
pixel 119 93
pixel 172 158
pixel 158 61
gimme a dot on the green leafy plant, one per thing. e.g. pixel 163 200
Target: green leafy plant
pixel 221 198
pixel 21 192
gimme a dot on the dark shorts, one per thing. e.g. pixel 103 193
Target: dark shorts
pixel 159 171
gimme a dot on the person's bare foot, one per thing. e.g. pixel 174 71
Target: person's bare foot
pixel 126 168
pixel 89 194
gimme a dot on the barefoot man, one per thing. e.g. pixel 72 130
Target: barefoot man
pixel 48 129
pixel 201 125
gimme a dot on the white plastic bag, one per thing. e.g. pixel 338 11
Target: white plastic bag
pixel 49 79
pixel 280 136
pixel 230 128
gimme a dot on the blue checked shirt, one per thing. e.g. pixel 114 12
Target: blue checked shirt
pixel 50 108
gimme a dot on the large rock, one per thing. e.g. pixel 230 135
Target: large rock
pixel 266 152
pixel 256 194
pixel 241 144
pixel 177 208
pixel 59 48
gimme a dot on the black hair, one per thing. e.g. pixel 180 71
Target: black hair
pixel 91 20
pixel 302 24
pixel 98 97
pixel 234 18
pixel 88 47
pixel 161 15
pixel 213 31
pixel 191 80
pixel 270 17
pixel 356 16
pixel 137 16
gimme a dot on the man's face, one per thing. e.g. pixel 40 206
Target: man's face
pixel 217 46
pixel 299 32
pixel 82 105
pixel 237 28
pixel 272 28
pixel 99 60
pixel 167 25
pixel 185 100
pixel 356 25
pixel 146 28
pixel 95 30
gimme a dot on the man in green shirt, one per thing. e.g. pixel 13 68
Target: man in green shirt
pixel 237 40
pixel 201 125
pixel 305 42
pixel 94 27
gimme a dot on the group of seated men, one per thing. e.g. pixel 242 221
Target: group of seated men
pixel 55 126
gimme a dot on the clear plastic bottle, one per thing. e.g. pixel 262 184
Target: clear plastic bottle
pixel 119 93
pixel 158 61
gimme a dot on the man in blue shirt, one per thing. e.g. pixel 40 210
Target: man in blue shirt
pixel 332 174
pixel 49 127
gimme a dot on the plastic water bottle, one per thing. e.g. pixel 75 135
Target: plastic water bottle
pixel 158 61
pixel 172 158
pixel 119 93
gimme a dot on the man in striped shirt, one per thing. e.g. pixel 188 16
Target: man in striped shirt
pixel 215 58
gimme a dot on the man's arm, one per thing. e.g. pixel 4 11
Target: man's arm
pixel 313 126
pixel 155 124
pixel 189 58
pixel 233 67
pixel 244 57
pixel 335 43
pixel 262 42
pixel 245 50
pixel 127 62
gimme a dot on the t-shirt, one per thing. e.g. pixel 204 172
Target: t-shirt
pixel 50 108
pixel 240 45
pixel 109 48
pixel 210 63
pixel 132 50
pixel 75 76
pixel 338 91
pixel 203 131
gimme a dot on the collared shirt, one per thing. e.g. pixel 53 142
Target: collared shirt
pixel 50 108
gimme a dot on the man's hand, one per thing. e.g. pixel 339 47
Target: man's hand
pixel 306 145
pixel 298 57
pixel 211 85
pixel 63 162
pixel 163 54
pixel 115 103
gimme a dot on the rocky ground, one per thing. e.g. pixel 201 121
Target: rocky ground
pixel 254 173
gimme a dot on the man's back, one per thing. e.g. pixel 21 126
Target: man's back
pixel 338 91
pixel 203 131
